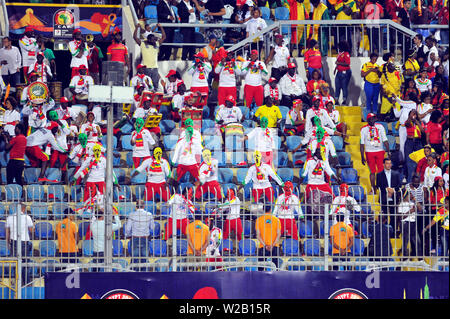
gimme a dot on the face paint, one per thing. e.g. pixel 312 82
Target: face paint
pixel 157 154
pixel 97 149
pixel 207 156
pixel 343 189
pixel 83 139
pixel 320 134
pixel 230 194
pixel 288 187
pixel 188 122
pixel 189 132
pixel 139 124
pixel 316 121
pixel 53 116
pixel 264 122
pixel 258 158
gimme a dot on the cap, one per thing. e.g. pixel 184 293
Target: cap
pixel 146 97
pixel 330 99
pixel 82 67
pixel 291 65
pixel 212 36
pixel 117 30
pixel 76 31
pixel 90 112
pixel 29 29
pixel 279 36
pixel 189 95
pixel 140 66
pixel 254 52
pixel 171 72
pixel 272 80
pixel 370 115
pixel 179 83
pixel 297 101
pixel 316 97
pixel 64 100
pixel 231 99
pixel 52 125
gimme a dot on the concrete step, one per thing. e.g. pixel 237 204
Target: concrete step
pixel 351 119
pixel 349 110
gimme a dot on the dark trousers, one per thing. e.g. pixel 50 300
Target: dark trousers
pixel 444 242
pixel 410 233
pixel 166 50
pixel 278 73
pixel 188 37
pixel 341 83
pixel 27 249
pixel 98 259
pixel 12 79
pixel 411 145
pixel 273 253
pixel 139 247
pixel 14 171
pixel 388 208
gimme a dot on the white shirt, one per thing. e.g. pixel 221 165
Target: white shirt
pixel 422 108
pixel 233 208
pixel 261 179
pixel 339 202
pixel 42 137
pixel 253 72
pixel 423 86
pixel 215 239
pixel 329 147
pixel 61 136
pixel 209 173
pixel 179 206
pixel 178 102
pixel 143 149
pixel 139 223
pixel 281 56
pixel 28 47
pixel 388 174
pixel 73 49
pixel 445 177
pixel 292 117
pixel 14 59
pixel 67 112
pixel 143 113
pixel 25 223
pixel 263 143
pixel 273 93
pixel 155 174
pixel 372 144
pixel 98 232
pixel 255 25
pixel 436 55
pixel 81 83
pixel 285 207
pixel 145 80
pixel 229 115
pixel 197 79
pixel 227 76
pixel 43 69
pixel 96 173
pixel 430 174
pixel 91 130
pixel 78 154
pixel 10 117
pixel 317 178
pixel 192 17
pixel 404 209
pixel 292 85
pixel 325 118
pixel 185 151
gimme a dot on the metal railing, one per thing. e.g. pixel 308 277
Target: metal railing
pixel 5 20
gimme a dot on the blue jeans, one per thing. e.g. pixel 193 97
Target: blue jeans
pixel 139 246
pixel 444 242
pixel 372 91
pixel 341 84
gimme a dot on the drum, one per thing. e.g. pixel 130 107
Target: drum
pixel 55 90
pixel 234 129
pixel 19 90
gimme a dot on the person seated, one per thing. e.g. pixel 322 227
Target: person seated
pixel 208 176
pixel 341 238
pixel 292 86
pixel 91 129
pixel 146 110
pixel 79 86
pixel 271 111
pixel 272 89
pixel 341 127
pixel 170 88
pixel 141 79
pixel 313 85
pixel 228 114
pixel 295 119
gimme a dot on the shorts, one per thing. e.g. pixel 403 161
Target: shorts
pixel 375 161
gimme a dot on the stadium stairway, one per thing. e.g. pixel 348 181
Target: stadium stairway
pixel 352 115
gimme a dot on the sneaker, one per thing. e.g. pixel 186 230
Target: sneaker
pixel 242 163
pixel 45 179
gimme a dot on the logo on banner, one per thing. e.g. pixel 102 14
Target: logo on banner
pixel 119 294
pixel 348 293
pixel 63 23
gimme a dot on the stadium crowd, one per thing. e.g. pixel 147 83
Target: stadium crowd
pixel 59 133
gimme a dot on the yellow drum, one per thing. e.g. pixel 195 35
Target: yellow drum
pixel 234 129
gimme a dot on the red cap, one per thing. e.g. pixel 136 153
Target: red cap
pixel 297 101
pixel 254 52
pixel 117 30
pixel 370 115
pixel 272 80
pixel 171 72
pixel 146 97
pixel 140 66
pixel 231 99
pixel 330 99
pixel 82 67
pixel 279 36
pixel 315 98
pixel 291 65
pixel 52 125
pixel 28 29
pixel 64 100
pixel 179 83
pixel 76 31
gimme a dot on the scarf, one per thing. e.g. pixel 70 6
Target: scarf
pixel 38 111
pixel 318 170
pixel 94 162
pixel 228 67
pixel 41 70
pixel 259 174
pixel 209 170
pixel 201 71
pixel 27 42
pixel 81 81
pixel 274 93
pixel 374 135
pixel 285 205
pixel 156 166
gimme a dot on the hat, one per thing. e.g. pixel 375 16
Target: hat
pixel 146 97
pixel 272 80
pixel 140 66
pixel 179 83
pixel 82 67
pixel 279 36
pixel 117 30
pixel 171 72
pixel 29 29
pixel 254 52
pixel 370 115
pixel 64 100
pixel 231 99
pixel 76 31
pixel 90 112
pixel 52 125
pixel 212 36
pixel 297 101
pixel 291 65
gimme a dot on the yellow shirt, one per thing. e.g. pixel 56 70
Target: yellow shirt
pixel 268 227
pixel 66 232
pixel 341 15
pixel 442 215
pixel 392 83
pixel 149 55
pixel 198 234
pixel 372 77
pixel 272 113
pixel 412 65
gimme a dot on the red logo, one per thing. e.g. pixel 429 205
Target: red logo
pixel 348 293
pixel 119 294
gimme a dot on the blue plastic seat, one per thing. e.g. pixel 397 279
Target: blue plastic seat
pixel 299 158
pixel 53 174
pixel 39 210
pixel 170 141
pixel 13 192
pixel 2 210
pixel 114 138
pixel 125 193
pixel 358 247
pixel 120 174
pixel 55 192
pixel 213 142
pixel 292 142
pixel 265 13
pixel 290 247
pixel 295 267
pixel 43 230
pixel 357 192
pixel 284 111
pixel 117 248
pixel 305 229
pixel 140 178
pixel 155 232
pixel 83 229
pixel 35 193
pixel 252 261
pixel 207 124
pixel 248 123
pixel 158 247
pixel 349 175
pixel 392 143
pixel 4 249
pixel 281 13
pixel 241 173
pixel 31 175
pixel 181 247
pixel 286 174
pixel 338 142
pixel 367 229
pixel 282 159
pixel 167 126
pixel 126 129
pixel 247 228
pixel 150 12
pixel 58 210
pixel 126 208
pixel 312 247
pixel 226 247
pixel 2 230
pixel 344 158
pixel 76 193
pixel 126 143
pixel 225 175
pixel 247 247
pixel 88 248
pixel 47 248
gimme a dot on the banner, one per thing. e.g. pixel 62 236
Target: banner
pixel 248 285
pixel 59 20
